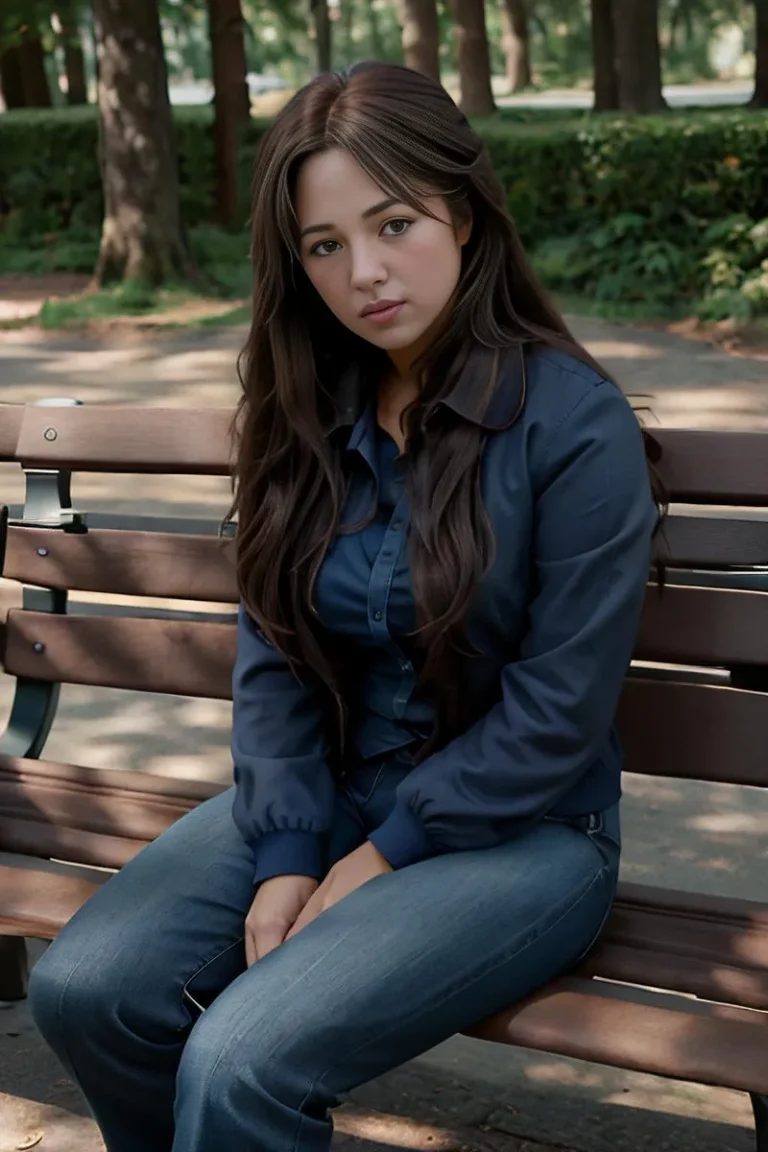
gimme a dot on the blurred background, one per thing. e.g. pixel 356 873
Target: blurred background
pixel 631 137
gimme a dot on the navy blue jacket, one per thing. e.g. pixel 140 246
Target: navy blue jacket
pixel 565 484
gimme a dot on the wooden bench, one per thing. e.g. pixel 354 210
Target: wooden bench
pixel 677 986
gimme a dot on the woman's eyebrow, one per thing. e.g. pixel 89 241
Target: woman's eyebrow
pixel 372 211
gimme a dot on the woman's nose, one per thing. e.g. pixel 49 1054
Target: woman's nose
pixel 368 267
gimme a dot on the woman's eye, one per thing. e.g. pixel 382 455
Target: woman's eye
pixel 397 227
pixel 325 248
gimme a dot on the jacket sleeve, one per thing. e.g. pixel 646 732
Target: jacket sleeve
pixel 593 522
pixel 284 791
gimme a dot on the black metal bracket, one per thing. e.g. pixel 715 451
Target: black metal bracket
pixel 47 504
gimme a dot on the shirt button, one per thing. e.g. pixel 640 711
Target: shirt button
pixel 397 525
pixel 378 615
pixel 406 666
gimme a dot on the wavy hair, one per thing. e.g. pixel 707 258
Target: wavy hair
pixel 407 134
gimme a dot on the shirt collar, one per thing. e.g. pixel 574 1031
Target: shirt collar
pixel 489 391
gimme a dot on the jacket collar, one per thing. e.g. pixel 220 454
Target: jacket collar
pixel 488 392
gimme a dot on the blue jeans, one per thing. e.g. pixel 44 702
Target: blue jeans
pixel 399 965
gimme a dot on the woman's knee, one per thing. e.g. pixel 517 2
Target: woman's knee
pixel 244 1047
pixel 63 986
pixel 87 980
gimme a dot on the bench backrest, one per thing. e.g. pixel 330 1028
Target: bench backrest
pixel 695 704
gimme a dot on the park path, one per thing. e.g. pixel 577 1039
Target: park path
pixel 681 834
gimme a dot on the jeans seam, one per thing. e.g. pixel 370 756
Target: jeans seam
pixel 60 1010
pixel 455 990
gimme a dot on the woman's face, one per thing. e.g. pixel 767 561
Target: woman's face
pixel 387 273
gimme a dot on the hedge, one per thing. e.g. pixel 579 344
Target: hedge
pixel 612 205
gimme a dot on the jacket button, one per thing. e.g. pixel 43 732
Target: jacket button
pixel 378 615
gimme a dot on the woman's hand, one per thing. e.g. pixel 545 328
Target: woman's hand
pixel 350 872
pixel 273 912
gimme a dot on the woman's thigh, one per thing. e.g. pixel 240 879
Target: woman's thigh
pixel 407 960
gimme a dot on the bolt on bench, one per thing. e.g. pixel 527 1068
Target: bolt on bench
pixel 678 983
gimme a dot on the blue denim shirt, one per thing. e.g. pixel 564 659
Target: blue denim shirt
pixel 565 485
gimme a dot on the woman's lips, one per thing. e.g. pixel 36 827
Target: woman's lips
pixel 384 312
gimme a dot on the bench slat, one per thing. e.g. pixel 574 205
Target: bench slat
pixel 703 626
pixel 124 563
pixel 702 467
pixel 178 657
pixel 88 815
pixel 641 1031
pixel 697 467
pixel 712 541
pixel 99 438
pixel 694 731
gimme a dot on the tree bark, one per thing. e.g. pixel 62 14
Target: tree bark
pixel 420 36
pixel 638 57
pixel 11 83
pixel 760 97
pixel 142 235
pixel 473 58
pixel 606 82
pixel 231 102
pixel 34 81
pixel 516 43
pixel 323 43
pixel 74 59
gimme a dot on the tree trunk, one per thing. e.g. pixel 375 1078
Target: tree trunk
pixel 74 60
pixel 473 58
pixel 420 36
pixel 37 94
pixel 74 63
pixel 606 82
pixel 231 102
pixel 638 57
pixel 375 38
pixel 760 97
pixel 11 83
pixel 142 236
pixel 516 43
pixel 322 21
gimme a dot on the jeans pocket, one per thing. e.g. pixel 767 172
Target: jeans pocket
pixel 212 977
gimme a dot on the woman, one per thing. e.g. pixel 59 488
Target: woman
pixel 444 537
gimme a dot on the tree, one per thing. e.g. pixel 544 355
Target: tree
pixel 74 60
pixel 231 101
pixel 23 78
pixel 420 36
pixel 638 57
pixel 760 97
pixel 516 43
pixel 606 82
pixel 142 236
pixel 473 57
pixel 322 25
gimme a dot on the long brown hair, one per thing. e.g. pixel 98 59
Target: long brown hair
pixel 408 135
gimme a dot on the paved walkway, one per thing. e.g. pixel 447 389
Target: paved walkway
pixel 463 1095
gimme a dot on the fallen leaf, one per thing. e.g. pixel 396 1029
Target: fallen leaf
pixel 31 1141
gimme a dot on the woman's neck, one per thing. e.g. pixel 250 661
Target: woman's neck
pixel 395 394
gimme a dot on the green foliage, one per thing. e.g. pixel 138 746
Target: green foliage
pixel 654 209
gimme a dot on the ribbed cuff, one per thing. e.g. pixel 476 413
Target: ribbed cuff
pixel 402 838
pixel 288 852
